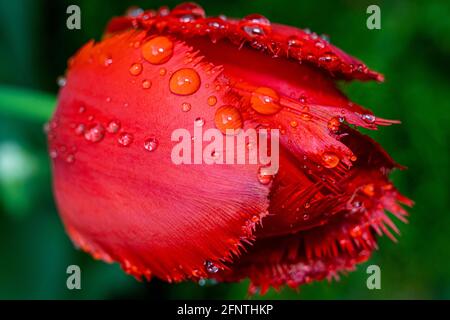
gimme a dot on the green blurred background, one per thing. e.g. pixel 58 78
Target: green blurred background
pixel 412 49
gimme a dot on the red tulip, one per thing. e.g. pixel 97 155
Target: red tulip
pixel 122 198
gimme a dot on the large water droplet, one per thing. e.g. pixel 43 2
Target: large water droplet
pixel 150 144
pixel 184 81
pixel 158 50
pixel 228 118
pixel 330 160
pixel 265 101
pixel 95 133
pixel 125 139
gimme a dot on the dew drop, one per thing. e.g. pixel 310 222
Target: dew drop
pixel 333 124
pixel 53 154
pixel 162 71
pixel 80 129
pixel 113 126
pixel 190 9
pixel 212 100
pixel 356 232
pixel 134 11
pixel 125 139
pixel 157 50
pixel 264 175
pixel 265 101
pixel 146 84
pixel 95 133
pixel 305 116
pixel 81 109
pixel 330 160
pixel 184 82
pixel 185 106
pixel 306 216
pixel 211 267
pixel 150 144
pixel 369 118
pixel 136 69
pixel 228 118
pixel 70 158
pixel 61 81
pixel 293 124
pixel 255 25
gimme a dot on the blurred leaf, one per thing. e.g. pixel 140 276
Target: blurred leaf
pixel 27 104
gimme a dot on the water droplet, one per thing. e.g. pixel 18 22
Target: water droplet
pixel 264 175
pixel 157 50
pixel 211 267
pixel 70 158
pixel 307 205
pixel 136 69
pixel 305 116
pixel 81 109
pixel 113 126
pixel 306 216
pixel 53 153
pixel 212 100
pixel 61 81
pixel 293 124
pixel 255 25
pixel 125 139
pixel 146 84
pixel 199 122
pixel 106 60
pixel 295 42
pixel 184 81
pixel 185 106
pixel 150 144
pixel 188 9
pixel 228 118
pixel 80 129
pixel 356 232
pixel 46 128
pixel 134 11
pixel 334 124
pixel 369 189
pixel 95 133
pixel 108 99
pixel 330 160
pixel 162 71
pixel 369 118
pixel 265 101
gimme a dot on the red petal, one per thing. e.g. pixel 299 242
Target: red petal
pixel 126 204
pixel 254 30
pixel 318 228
